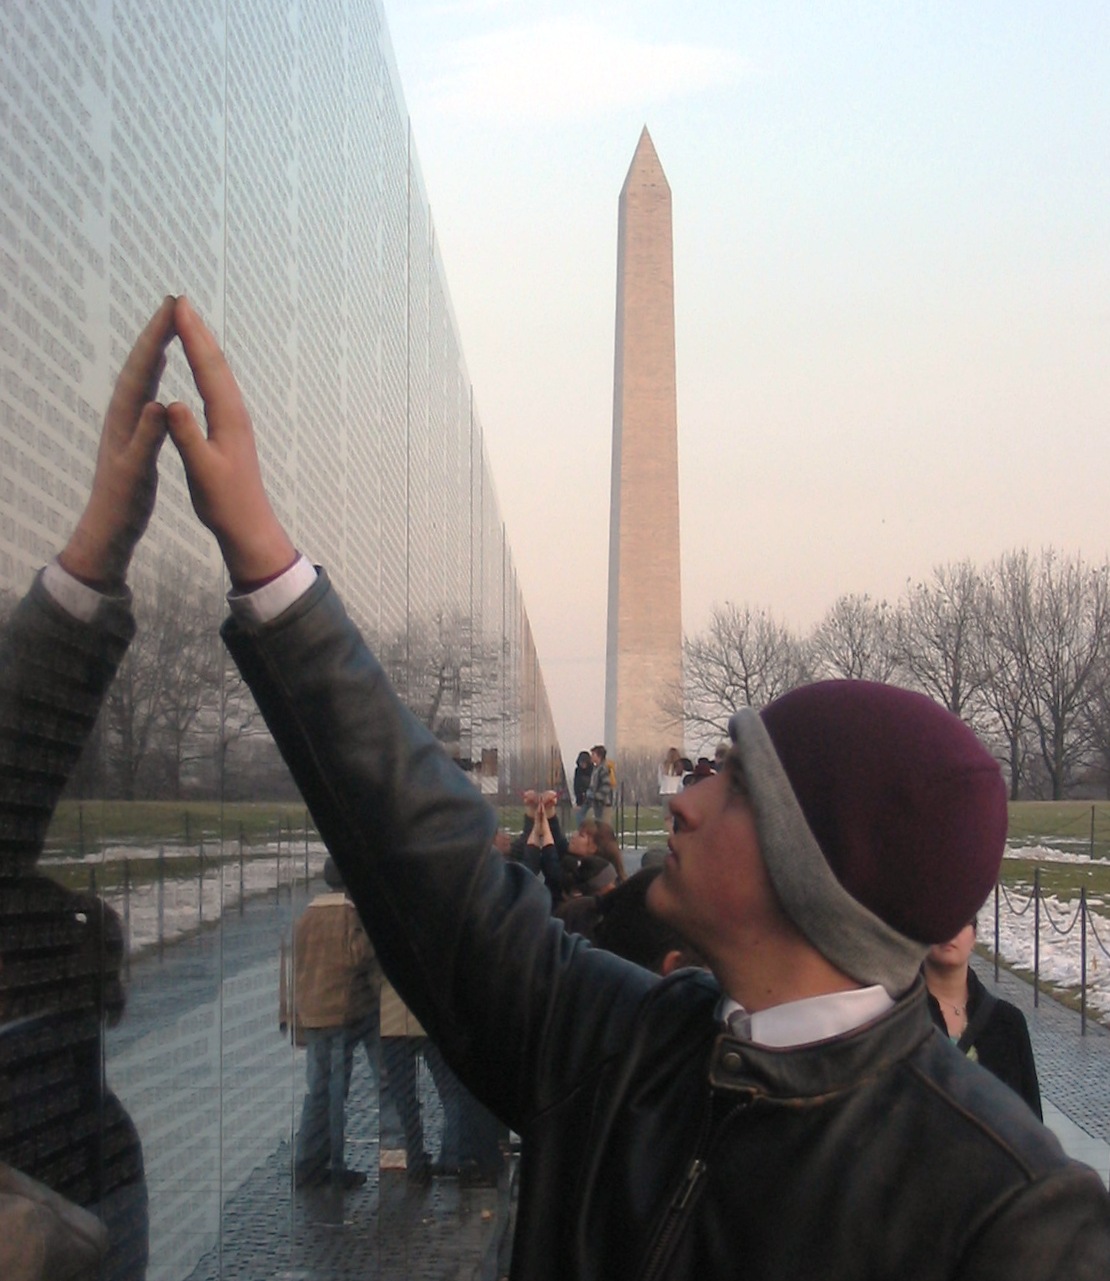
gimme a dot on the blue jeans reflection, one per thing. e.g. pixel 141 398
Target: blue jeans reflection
pixel 320 1136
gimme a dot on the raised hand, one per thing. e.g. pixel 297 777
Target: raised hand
pixel 221 464
pixel 541 832
pixel 126 478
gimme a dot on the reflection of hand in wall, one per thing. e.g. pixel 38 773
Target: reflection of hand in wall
pixel 221 465
pixel 126 477
pixel 541 832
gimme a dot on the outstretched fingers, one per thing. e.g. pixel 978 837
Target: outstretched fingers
pixel 221 464
pixel 126 477
pixel 142 371
pixel 223 402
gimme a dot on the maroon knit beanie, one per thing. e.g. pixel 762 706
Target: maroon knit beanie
pixel 906 804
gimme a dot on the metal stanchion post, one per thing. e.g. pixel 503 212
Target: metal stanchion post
pixel 1083 958
pixel 996 940
pixel 200 881
pixel 242 894
pixel 161 901
pixel 1036 937
pixel 127 919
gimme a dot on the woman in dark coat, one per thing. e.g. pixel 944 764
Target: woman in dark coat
pixel 987 1029
pixel 583 768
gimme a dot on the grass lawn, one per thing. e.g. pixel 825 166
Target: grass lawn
pixel 87 826
pixel 83 829
pixel 1077 827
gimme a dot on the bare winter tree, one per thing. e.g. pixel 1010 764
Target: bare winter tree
pixel 153 714
pixel 131 712
pixel 1056 622
pixel 186 622
pixel 1003 620
pixel 744 657
pixel 856 639
pixel 246 764
pixel 938 637
pixel 1096 719
pixel 428 668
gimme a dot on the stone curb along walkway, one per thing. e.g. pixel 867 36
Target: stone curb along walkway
pixel 1073 1069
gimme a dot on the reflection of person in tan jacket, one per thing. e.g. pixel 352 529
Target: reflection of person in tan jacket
pixel 469 1146
pixel 335 988
pixel 401 1128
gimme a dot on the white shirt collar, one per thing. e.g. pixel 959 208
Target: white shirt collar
pixel 815 1018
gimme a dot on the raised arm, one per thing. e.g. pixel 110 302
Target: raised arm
pixel 55 667
pixel 465 937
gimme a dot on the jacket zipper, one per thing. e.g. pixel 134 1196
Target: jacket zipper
pixel 675 1220
pixel 685 1195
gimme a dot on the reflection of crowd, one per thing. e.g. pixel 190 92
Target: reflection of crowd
pixel 783 1106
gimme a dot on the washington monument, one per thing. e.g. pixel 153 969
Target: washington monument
pixel 643 669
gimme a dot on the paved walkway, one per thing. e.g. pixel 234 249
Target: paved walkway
pixel 216 1090
pixel 1074 1069
pixel 389 1230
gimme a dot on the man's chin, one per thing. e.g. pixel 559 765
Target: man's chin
pixel 657 898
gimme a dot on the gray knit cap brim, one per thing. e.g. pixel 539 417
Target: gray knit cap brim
pixel 845 932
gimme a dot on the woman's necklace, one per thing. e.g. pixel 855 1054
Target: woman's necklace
pixel 957 1010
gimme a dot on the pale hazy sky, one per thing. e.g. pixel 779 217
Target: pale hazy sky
pixel 892 275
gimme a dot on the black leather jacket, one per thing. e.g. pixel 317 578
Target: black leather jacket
pixel 653 1145
pixel 60 950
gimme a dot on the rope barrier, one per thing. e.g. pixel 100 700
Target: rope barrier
pixel 1091 917
pixel 1048 917
pixel 1010 903
pixel 1056 914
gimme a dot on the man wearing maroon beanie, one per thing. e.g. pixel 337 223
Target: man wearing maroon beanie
pixel 791 1115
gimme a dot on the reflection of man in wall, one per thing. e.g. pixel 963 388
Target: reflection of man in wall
pixel 336 987
pixel 791 1114
pixel 61 951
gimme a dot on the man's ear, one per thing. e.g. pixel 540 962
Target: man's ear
pixel 680 959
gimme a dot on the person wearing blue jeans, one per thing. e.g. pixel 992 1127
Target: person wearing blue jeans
pixel 470 1147
pixel 320 1137
pixel 336 984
